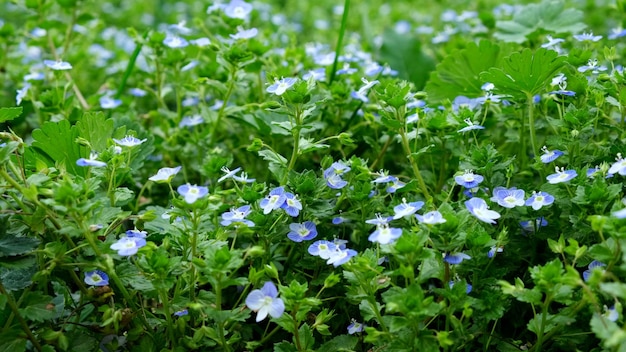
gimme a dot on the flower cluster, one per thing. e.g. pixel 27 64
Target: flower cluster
pixel 334 253
pixel 278 198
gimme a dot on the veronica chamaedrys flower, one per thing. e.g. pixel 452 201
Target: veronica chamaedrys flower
pixel 549 156
pixel 318 74
pixel 335 181
pixel 265 301
pixel 620 214
pixel 96 278
pixel 237 216
pixel 244 34
pixel 493 250
pixel 470 126
pixel 243 178
pixel 346 69
pixel 91 161
pixel 237 9
pixel 406 209
pixel 322 249
pixel 617 33
pixel 552 42
pixel 201 42
pixel 165 174
pixel 395 185
pixel 292 205
pixel 337 168
pixel 192 192
pixel 22 93
pixel 594 264
pixel 181 313
pixel 592 65
pixel 587 37
pixel 561 175
pixel 58 65
pixel 136 233
pixel 385 234
pixel 382 177
pixel 431 218
pixel 532 226
pixel 127 246
pixel 538 199
pixel 340 256
pixel 508 198
pixel 455 258
pixel 108 102
pixel 619 166
pixel 302 231
pixel 228 173
pixel 280 86
pixel 129 141
pixel 175 42
pixel 355 327
pixel 274 200
pixel 190 121
pixel 479 208
pixel 469 179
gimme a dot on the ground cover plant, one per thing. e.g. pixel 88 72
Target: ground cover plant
pixel 298 176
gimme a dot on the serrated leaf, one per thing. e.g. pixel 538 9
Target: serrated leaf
pixel 17 279
pixel 459 73
pixel 55 142
pixel 8 114
pixel 404 54
pixel 95 128
pixel 548 15
pixel 10 340
pixel 7 150
pixel 284 347
pixel 272 157
pixel 525 74
pixel 13 245
pixel 38 312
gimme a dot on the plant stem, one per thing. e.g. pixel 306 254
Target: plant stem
pixel 15 310
pixel 220 114
pixel 168 316
pixel 416 170
pixel 544 316
pixel 531 124
pixel 342 31
pixel 295 131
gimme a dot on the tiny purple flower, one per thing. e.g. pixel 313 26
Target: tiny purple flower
pixel 58 65
pixel 355 327
pixel 594 264
pixel 455 258
pixel 619 166
pixel 165 174
pixel 129 141
pixel 181 313
pixel 127 246
pixel 479 208
pixel 385 234
pixel 468 179
pixel 302 232
pixel 561 175
pixel 406 209
pixel 539 199
pixel 292 205
pixel 530 226
pixel 281 86
pixel 468 287
pixel 96 278
pixel 549 155
pixel 192 192
pixel 265 301
pixel 91 161
pixel 237 216
pixel 322 249
pixel 431 218
pixel 274 200
pixel 493 250
pixel 508 198
pixel 340 256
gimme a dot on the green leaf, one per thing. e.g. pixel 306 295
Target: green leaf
pixel 547 15
pixel 56 143
pixel 13 245
pixel 404 54
pixel 459 73
pixel 366 310
pixel 95 128
pixel 306 336
pixel 8 114
pixel 37 307
pixel 284 347
pixel 10 340
pixel 525 74
pixel 340 343
pixel 17 279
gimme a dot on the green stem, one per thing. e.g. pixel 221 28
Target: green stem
pixel 531 124
pixel 218 306
pixel 220 114
pixel 168 317
pixel 295 131
pixel 416 170
pixel 342 31
pixel 23 323
pixel 544 316
pixel 296 334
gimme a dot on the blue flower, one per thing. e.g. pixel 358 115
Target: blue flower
pixel 346 70
pixel 383 177
pixel 568 93
pixel 532 226
pixel 493 250
pixel 237 9
pixel 322 248
pixel 594 264
pixel 129 141
pixel 395 185
pixel 340 256
pixel 265 301
pixel 587 37
pixel 355 327
pixel 192 192
pixel 137 92
pixel 385 234
pixel 243 178
pixel 592 65
pixel 281 86
pixel 58 65
pixel 619 166
pixel 228 173
pixel 335 181
pixel 337 220
pixel 291 205
pixel 552 42
pixel 175 42
pixel 181 313
pixel 468 179
pixel 431 218
pixel 617 33
pixel 237 216
pixel 107 102
pixel 136 233
pixel 549 155
pixel 463 102
pixel 455 258
pixel 91 161
pixel 561 175
pixel 620 214
pixel 318 74
pixel 508 198
pixel 245 34
pixel 127 246
pixel 479 208
pixel 539 199
pixel 190 121
pixel 302 232
pixel 96 278
pixel 22 93
pixel 165 174
pixel 201 42
pixel 406 209
pixel 274 200
pixel 379 220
